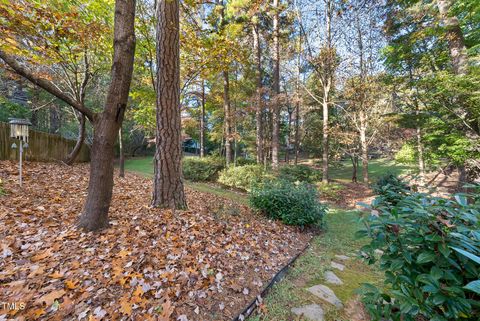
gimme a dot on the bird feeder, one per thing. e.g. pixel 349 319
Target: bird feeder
pixel 19 130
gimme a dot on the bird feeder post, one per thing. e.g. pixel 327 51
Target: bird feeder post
pixel 19 130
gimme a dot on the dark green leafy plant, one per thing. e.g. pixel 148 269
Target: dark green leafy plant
pixel 201 169
pixel 431 258
pixel 390 189
pixel 299 173
pixel 294 204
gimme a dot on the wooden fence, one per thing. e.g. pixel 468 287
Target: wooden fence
pixel 42 147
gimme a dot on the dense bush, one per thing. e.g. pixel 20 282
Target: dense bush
pixel 242 177
pixel 431 258
pixel 390 189
pixel 242 161
pixel 202 169
pixel 406 154
pixel 294 204
pixel 300 173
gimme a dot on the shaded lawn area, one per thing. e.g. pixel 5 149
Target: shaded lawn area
pixel 144 166
pixel 376 168
pixel 337 239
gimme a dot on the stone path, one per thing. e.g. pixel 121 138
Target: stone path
pixel 315 312
pixel 312 312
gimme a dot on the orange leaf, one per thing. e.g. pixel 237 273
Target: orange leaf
pixel 125 306
pixel 71 284
pixel 41 256
pixel 167 310
pixel 50 297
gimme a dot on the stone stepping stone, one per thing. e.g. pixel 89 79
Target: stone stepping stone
pixel 312 312
pixel 331 278
pixel 337 266
pixel 325 293
pixel 342 257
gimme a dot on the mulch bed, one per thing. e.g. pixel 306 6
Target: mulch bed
pixel 206 263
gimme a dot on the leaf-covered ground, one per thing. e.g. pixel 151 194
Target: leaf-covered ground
pixel 206 263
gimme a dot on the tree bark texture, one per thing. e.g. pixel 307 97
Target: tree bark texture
pixel 107 123
pixel 455 39
pixel 258 108
pixel 276 88
pixel 168 189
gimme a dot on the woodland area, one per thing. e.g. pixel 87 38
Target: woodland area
pixel 241 125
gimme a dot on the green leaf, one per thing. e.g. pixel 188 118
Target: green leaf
pixel 473 286
pixel 426 257
pixel 471 256
pixel 461 199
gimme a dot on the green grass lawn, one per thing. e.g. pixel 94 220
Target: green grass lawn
pixel 376 169
pixel 144 166
pixel 338 238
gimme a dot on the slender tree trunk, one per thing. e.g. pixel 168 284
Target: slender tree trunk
pixel 456 42
pixel 325 137
pixel 122 154
pixel 327 84
pixel 287 150
pixel 70 159
pixel 354 160
pixel 276 88
pixel 227 113
pixel 258 107
pixel 107 123
pixel 297 131
pixel 297 102
pixel 364 144
pixel 202 122
pixel 168 191
pixel 421 163
pixel 54 119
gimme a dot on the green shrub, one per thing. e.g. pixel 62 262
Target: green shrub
pixel 294 204
pixel 202 169
pixel 242 161
pixel 390 189
pixel 299 173
pixel 431 258
pixel 242 177
pixel 406 154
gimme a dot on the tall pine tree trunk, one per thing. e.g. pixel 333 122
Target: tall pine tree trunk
pixel 168 191
pixel 258 107
pixel 276 88
pixel 107 123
